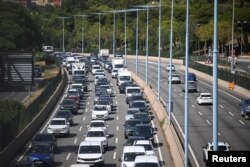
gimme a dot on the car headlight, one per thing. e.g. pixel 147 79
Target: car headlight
pixel 124 165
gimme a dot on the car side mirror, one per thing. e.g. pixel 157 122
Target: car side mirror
pixel 88 126
pixel 203 147
pixel 107 135
pixel 68 123
pixel 240 104
pixel 120 160
pixel 76 152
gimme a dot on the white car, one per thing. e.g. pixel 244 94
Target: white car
pixel 175 78
pixel 130 113
pixel 98 124
pixel 59 126
pixel 77 86
pixel 205 98
pixel 109 89
pixel 168 67
pixel 222 146
pixel 98 134
pixel 99 72
pixel 94 68
pixel 146 160
pixel 106 103
pixel 147 144
pixel 114 73
pixel 90 152
pixel 100 112
pixel 129 154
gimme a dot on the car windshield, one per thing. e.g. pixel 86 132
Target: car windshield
pixel 205 95
pixel 131 155
pixel 41 137
pixel 124 78
pixel 119 66
pixel 132 111
pixel 175 75
pixel 103 102
pixel 114 70
pixel 136 98
pixel 76 87
pixel 141 116
pixel 146 164
pixel 95 134
pixel 134 90
pixel 147 147
pixel 131 123
pixel 63 114
pixel 97 124
pixel 220 148
pixel 40 149
pixel 99 70
pixel 57 122
pixel 68 102
pixel 79 72
pixel 72 93
pixel 89 149
pixel 100 108
pixel 96 67
pixel 142 131
pixel 138 105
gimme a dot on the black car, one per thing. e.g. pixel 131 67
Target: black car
pixel 131 139
pixel 145 130
pixel 83 81
pixel 65 114
pixel 122 86
pixel 37 71
pixel 109 68
pixel 69 104
pixel 144 117
pixel 141 104
pixel 135 97
pixel 129 127
pixel 45 138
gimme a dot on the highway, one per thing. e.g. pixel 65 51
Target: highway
pixel 67 146
pixel 232 127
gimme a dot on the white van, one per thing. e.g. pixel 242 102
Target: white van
pixel 132 90
pixel 130 153
pixel 94 68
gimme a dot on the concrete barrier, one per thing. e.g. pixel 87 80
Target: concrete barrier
pixel 10 152
pixel 171 136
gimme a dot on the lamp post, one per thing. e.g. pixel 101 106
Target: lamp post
pixel 170 105
pixel 186 99
pixel 232 49
pixel 99 30
pixel 82 30
pixel 159 50
pixel 147 8
pixel 63 49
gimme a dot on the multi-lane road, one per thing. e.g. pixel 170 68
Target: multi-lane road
pixel 232 127
pixel 67 146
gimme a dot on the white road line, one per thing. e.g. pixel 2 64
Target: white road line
pixel 21 157
pixel 114 155
pixel 116 140
pixel 83 118
pixel 116 102
pixel 114 92
pixel 221 106
pixel 157 140
pixel 75 140
pixel 80 128
pixel 180 94
pixel 117 127
pixel 88 102
pixel 208 122
pixel 175 90
pixel 165 83
pixel 218 134
pixel 193 106
pixel 200 113
pixel 117 118
pixel 241 122
pixel 67 158
pixel 231 113
pixel 86 109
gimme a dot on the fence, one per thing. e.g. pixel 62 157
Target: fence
pixel 10 130
pixel 241 79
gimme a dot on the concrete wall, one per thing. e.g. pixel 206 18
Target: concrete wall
pixel 158 109
pixel 10 152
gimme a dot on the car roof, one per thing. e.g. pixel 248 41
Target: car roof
pixel 142 142
pixel 97 121
pixel 95 129
pixel 206 94
pixel 146 158
pixel 133 149
pixel 133 109
pixel 64 119
pixel 76 84
pixel 220 143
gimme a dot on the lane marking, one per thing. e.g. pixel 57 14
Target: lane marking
pixel 193 106
pixel 21 157
pixel 200 113
pixel 116 102
pixel 116 140
pixel 75 140
pixel 117 127
pixel 221 106
pixel 86 109
pixel 88 102
pixel 114 155
pixel 218 133
pixel 208 122
pixel 67 158
pixel 117 118
pixel 241 122
pixel 80 128
pixel 83 118
pixel 180 94
pixel 175 90
pixel 231 113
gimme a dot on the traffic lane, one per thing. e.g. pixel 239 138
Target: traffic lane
pixel 193 100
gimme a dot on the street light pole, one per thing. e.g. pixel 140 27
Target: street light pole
pixel 82 30
pixel 137 41
pixel 125 34
pixel 232 49
pixel 99 30
pixel 241 35
pixel 159 50
pixel 114 36
pixel 170 105
pixel 63 49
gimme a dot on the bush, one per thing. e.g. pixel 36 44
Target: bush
pixel 9 110
pixel 49 58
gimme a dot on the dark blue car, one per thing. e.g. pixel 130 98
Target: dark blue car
pixel 245 108
pixel 41 154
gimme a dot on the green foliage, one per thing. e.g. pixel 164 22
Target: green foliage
pixel 9 110
pixel 18 29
